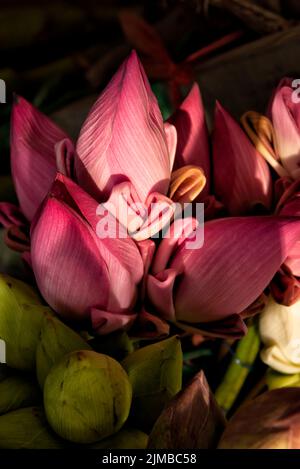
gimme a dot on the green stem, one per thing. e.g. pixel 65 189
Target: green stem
pixel 239 368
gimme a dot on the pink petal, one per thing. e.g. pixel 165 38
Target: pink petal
pixel 68 267
pixel 123 137
pixel 192 134
pixel 105 322
pixel 10 214
pixel 75 269
pixel 142 220
pixel 241 175
pixel 238 260
pixel 285 116
pixel 33 138
pixel 64 152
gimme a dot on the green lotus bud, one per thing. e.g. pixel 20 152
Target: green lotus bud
pixel 87 396
pixel 21 317
pixel 126 438
pixel 27 429
pixel 17 391
pixel 155 372
pixel 56 341
pixel 275 380
pixel 271 421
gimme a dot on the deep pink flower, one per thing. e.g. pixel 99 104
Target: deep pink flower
pixel 284 111
pixel 78 273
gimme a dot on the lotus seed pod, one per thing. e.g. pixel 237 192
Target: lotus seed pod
pixel 27 429
pixel 270 421
pixel 126 438
pixel 87 397
pixel 155 372
pixel 21 317
pixel 18 391
pixel 56 341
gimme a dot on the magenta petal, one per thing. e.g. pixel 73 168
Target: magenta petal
pixel 74 268
pixel 10 214
pixel 123 137
pixel 241 175
pixel 64 152
pixel 68 267
pixel 105 322
pixel 160 290
pixel 237 262
pixel 33 138
pixel 192 135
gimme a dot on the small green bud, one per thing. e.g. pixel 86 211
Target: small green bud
pixel 87 397
pixel 155 372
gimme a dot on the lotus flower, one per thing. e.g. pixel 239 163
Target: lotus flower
pixel 277 137
pixel 241 176
pixel 280 332
pixel 78 273
pixel 124 154
pixel 188 286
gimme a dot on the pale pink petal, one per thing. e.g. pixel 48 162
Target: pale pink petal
pixel 105 322
pixel 285 116
pixel 141 220
pixel 33 164
pixel 123 137
pixel 237 262
pixel 241 175
pixel 192 135
pixel 171 137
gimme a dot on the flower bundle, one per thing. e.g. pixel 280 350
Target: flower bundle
pixel 117 260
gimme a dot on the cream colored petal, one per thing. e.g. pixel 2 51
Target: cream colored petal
pixel 280 332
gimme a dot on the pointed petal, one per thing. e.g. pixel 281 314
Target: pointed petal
pixel 171 137
pixel 192 134
pixel 68 267
pixel 33 138
pixel 241 175
pixel 123 137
